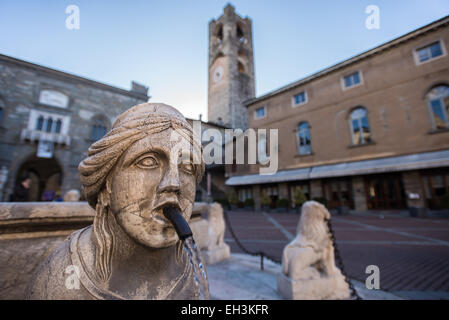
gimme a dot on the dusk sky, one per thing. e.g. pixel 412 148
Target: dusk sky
pixel 164 44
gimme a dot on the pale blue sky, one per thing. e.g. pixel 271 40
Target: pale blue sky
pixel 163 44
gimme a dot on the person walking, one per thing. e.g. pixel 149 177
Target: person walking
pixel 22 190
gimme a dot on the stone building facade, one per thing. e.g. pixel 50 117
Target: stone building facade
pixel 371 132
pixel 48 120
pixel 212 186
pixel 231 69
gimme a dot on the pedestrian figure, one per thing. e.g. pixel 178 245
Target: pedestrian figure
pixel 22 190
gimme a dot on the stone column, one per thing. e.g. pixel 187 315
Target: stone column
pixel 316 189
pixel 414 191
pixel 359 194
pixel 283 191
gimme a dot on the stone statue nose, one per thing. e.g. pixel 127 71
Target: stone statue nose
pixel 170 181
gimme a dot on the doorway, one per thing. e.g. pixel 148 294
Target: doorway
pixel 338 193
pixel 45 175
pixel 436 185
pixel 385 192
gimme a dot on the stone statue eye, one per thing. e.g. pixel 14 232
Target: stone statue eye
pixel 147 162
pixel 188 167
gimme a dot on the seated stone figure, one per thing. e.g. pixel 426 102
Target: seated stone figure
pixel 308 266
pixel 147 161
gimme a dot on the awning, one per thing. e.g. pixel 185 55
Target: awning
pixel 393 164
pixel 34 135
pixel 280 176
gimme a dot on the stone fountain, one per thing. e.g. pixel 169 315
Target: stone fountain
pixel 140 179
pixel 137 229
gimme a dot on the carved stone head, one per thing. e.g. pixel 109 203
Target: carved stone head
pixel 148 160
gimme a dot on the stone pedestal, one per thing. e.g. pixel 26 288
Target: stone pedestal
pixel 308 263
pixel 313 288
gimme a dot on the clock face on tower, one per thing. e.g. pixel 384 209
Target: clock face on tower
pixel 217 74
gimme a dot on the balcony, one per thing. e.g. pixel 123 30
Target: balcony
pixel 35 135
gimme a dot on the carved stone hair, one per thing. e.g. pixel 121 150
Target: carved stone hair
pixel 131 126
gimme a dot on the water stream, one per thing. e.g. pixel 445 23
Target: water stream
pixel 199 272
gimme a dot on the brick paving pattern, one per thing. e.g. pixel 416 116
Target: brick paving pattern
pixel 412 253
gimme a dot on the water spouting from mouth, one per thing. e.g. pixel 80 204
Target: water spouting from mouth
pixel 185 234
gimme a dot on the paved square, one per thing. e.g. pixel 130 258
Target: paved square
pixel 412 253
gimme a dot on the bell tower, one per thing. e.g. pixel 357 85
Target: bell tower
pixel 231 69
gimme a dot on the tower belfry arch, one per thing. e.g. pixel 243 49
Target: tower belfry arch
pixel 231 69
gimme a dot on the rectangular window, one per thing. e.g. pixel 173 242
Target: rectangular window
pixel 352 80
pixel 429 52
pixel 299 99
pixel 260 113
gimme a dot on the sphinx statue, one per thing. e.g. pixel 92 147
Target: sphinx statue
pixel 147 162
pixel 216 249
pixel 209 232
pixel 308 264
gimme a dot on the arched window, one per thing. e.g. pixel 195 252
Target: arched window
pixel 240 67
pixel 2 110
pixel 240 34
pixel 438 99
pixel 58 126
pixel 99 129
pixel 304 140
pixel 242 61
pixel 49 124
pixel 219 34
pixel 361 132
pixel 40 123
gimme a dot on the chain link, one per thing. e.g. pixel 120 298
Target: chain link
pixel 339 261
pixel 245 250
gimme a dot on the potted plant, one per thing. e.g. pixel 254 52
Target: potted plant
pixel 233 200
pixel 298 199
pixel 282 205
pixel 265 201
pixel 444 201
pixel 249 204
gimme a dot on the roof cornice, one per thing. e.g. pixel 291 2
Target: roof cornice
pixel 383 47
pixel 68 76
